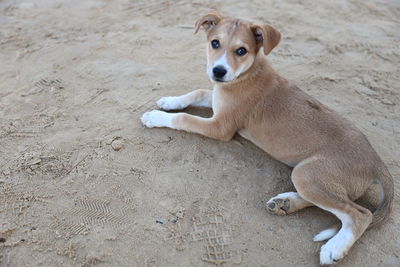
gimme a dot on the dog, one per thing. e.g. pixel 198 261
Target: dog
pixel 333 162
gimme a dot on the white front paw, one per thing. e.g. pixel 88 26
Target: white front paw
pixel 157 118
pixel 171 103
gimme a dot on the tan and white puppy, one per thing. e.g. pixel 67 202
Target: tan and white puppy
pixel 333 163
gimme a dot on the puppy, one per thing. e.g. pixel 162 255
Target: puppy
pixel 333 162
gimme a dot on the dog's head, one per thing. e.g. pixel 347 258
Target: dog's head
pixel 233 45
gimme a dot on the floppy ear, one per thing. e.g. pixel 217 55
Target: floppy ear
pixel 266 36
pixel 207 21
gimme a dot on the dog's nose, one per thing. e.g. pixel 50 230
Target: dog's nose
pixel 219 71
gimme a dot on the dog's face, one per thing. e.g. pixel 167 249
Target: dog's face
pixel 233 45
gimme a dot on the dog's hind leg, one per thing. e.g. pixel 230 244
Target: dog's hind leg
pixel 197 98
pixel 355 219
pixel 287 203
pixel 327 233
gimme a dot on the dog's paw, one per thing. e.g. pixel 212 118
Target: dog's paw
pixel 332 252
pixel 157 118
pixel 171 103
pixel 325 234
pixel 278 206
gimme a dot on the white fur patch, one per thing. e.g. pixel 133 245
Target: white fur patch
pixel 183 101
pixel 171 103
pixel 217 99
pixel 290 195
pixel 325 234
pixel 338 246
pixel 157 118
pixel 222 61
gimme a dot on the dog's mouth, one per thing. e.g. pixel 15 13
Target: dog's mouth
pixel 219 80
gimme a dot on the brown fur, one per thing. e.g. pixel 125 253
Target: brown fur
pixel 334 162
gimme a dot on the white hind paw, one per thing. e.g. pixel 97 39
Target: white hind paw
pixel 332 252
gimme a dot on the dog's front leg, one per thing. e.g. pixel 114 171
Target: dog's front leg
pixel 197 98
pixel 211 127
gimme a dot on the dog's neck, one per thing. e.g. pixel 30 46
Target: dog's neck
pixel 261 71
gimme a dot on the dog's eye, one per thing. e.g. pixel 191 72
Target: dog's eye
pixel 215 44
pixel 241 51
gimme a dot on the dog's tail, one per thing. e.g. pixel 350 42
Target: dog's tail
pixel 383 210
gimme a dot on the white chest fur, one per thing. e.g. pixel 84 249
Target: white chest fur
pixel 217 98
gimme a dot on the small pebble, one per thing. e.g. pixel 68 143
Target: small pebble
pixel 117 144
pixel 387 102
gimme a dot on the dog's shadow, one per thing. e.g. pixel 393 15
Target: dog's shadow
pixel 253 156
pixel 278 180
pixel 198 111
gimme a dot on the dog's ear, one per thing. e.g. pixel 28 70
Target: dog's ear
pixel 208 21
pixel 266 36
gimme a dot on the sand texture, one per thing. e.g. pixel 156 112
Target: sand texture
pixel 83 183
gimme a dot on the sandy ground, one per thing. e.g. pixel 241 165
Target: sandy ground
pixel 83 183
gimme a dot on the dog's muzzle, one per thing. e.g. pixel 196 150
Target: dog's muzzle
pixel 219 73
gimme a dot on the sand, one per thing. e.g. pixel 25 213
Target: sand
pixel 83 183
